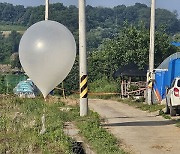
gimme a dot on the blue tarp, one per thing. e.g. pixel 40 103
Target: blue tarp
pixel 177 44
pixel 26 87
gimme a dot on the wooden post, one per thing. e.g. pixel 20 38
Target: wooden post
pixel 122 89
pixel 64 96
pixel 125 88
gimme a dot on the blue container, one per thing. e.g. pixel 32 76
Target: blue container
pixel 159 85
pixel 177 68
pixel 173 71
pixel 164 78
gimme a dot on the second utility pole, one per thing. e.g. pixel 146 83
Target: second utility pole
pixel 46 9
pixel 150 77
pixel 83 59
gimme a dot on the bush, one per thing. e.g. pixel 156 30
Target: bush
pixel 103 85
pixel 9 82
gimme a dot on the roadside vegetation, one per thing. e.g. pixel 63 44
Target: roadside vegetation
pixel 21 127
pixel 102 141
pixel 166 116
pixel 9 81
pixel 139 103
pixel 178 123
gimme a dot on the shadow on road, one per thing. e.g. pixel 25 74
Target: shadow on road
pixel 142 123
pixel 127 117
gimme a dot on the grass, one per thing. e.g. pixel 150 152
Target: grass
pixel 140 105
pixel 103 85
pixel 165 116
pixel 178 123
pixel 5 27
pixel 101 140
pixel 21 123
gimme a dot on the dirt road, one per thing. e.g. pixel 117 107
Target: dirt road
pixel 140 132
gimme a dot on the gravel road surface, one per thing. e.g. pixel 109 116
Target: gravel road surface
pixel 140 132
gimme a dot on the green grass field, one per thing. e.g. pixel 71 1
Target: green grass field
pixel 4 27
pixel 21 124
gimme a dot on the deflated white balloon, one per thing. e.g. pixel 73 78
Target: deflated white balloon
pixel 47 53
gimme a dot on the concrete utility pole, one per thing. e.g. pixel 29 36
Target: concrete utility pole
pixel 46 9
pixel 83 59
pixel 150 76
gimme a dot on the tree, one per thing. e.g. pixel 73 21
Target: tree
pixel 14 39
pixel 71 83
pixel 176 37
pixel 96 16
pixel 5 50
pixel 8 13
pixel 8 46
pixel 14 61
pixel 132 45
pixel 2 84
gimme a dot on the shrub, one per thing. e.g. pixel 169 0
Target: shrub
pixel 103 85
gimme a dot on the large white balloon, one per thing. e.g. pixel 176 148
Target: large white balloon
pixel 47 53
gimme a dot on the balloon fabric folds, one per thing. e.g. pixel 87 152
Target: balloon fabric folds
pixel 47 53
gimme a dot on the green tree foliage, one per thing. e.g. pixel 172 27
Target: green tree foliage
pixel 96 36
pixel 176 37
pixel 14 61
pixel 8 46
pixel 132 45
pixel 2 84
pixel 167 19
pixel 109 44
pixel 14 39
pixel 71 83
pixel 5 50
pixel 96 16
